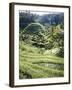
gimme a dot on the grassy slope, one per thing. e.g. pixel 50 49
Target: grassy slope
pixel 30 57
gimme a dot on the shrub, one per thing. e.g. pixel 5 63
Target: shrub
pixel 61 52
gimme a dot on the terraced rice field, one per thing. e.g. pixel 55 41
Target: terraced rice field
pixel 33 64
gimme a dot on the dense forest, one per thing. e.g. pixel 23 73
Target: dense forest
pixel 41 45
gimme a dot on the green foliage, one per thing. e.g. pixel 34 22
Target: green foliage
pixel 61 52
pixel 32 60
pixel 35 34
pixel 34 28
pixel 41 47
pixel 62 26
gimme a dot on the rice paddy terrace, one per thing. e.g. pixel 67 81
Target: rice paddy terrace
pixel 35 64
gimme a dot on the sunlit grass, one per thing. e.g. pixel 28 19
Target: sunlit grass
pixel 30 59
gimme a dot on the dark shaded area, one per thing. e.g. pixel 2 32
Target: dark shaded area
pixel 26 18
pixel 24 75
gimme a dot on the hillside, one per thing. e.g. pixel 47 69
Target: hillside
pixel 51 19
pixel 34 28
pixel 41 45
pixel 46 19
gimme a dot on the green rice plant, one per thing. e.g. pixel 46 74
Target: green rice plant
pixel 30 63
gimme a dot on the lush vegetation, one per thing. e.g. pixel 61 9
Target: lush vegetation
pixel 41 45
